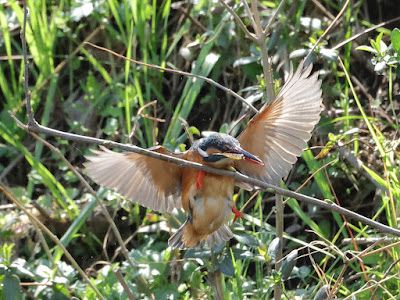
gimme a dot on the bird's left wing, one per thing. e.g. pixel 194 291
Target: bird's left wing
pixel 150 182
pixel 280 131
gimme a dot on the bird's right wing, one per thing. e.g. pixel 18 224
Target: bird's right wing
pixel 278 134
pixel 147 181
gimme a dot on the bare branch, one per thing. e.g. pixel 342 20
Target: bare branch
pixel 340 45
pixel 247 33
pixel 266 29
pixel 237 176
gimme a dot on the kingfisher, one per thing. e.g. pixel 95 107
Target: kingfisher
pixel 265 150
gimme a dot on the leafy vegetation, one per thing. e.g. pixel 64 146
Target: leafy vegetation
pixel 352 160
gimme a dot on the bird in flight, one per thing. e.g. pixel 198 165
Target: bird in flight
pixel 265 150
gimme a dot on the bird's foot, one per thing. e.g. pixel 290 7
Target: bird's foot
pixel 199 181
pixel 237 213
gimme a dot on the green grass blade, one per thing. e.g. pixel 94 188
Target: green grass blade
pixel 322 183
pixel 204 65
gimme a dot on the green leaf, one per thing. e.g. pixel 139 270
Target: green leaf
pixel 112 126
pixel 245 61
pixel 11 287
pixel 198 253
pixel 374 45
pixel 289 263
pixel 246 239
pixel 329 54
pixel 226 266
pixel 367 48
pixel 273 249
pixel 323 293
pixel 378 42
pixel 331 137
pixel 6 253
pixel 194 131
pixel 395 37
pixel 19 268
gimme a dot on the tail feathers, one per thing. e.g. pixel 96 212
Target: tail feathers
pixel 184 237
pixel 175 241
pixel 223 234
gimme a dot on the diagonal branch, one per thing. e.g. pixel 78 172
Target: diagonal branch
pixel 237 176
pixel 306 60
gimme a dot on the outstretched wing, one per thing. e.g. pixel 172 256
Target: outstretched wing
pixel 278 134
pixel 150 182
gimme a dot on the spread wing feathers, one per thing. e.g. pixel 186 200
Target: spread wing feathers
pixel 147 181
pixel 280 131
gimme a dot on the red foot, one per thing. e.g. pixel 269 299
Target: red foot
pixel 237 213
pixel 199 181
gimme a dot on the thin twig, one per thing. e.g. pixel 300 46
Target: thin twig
pixel 265 63
pixel 313 174
pixel 140 114
pixel 187 129
pixel 340 45
pixel 266 29
pixel 247 33
pixel 250 15
pixel 121 279
pixel 371 240
pixel 392 265
pixel 32 122
pixel 269 86
pixel 306 60
pixel 324 10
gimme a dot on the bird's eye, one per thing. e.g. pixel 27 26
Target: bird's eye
pixel 214 157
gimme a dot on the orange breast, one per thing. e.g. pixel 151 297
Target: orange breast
pixel 210 206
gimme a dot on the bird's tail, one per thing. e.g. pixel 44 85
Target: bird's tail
pixel 175 241
pixel 185 237
pixel 223 234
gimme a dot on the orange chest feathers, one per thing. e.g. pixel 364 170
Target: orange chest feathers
pixel 213 186
pixel 212 202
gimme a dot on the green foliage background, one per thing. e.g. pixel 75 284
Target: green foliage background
pixel 79 89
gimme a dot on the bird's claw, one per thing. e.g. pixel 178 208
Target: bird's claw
pixel 238 214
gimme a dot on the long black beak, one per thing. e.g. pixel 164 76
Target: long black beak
pixel 239 153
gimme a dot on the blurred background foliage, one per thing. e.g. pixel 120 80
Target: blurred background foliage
pixel 79 89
